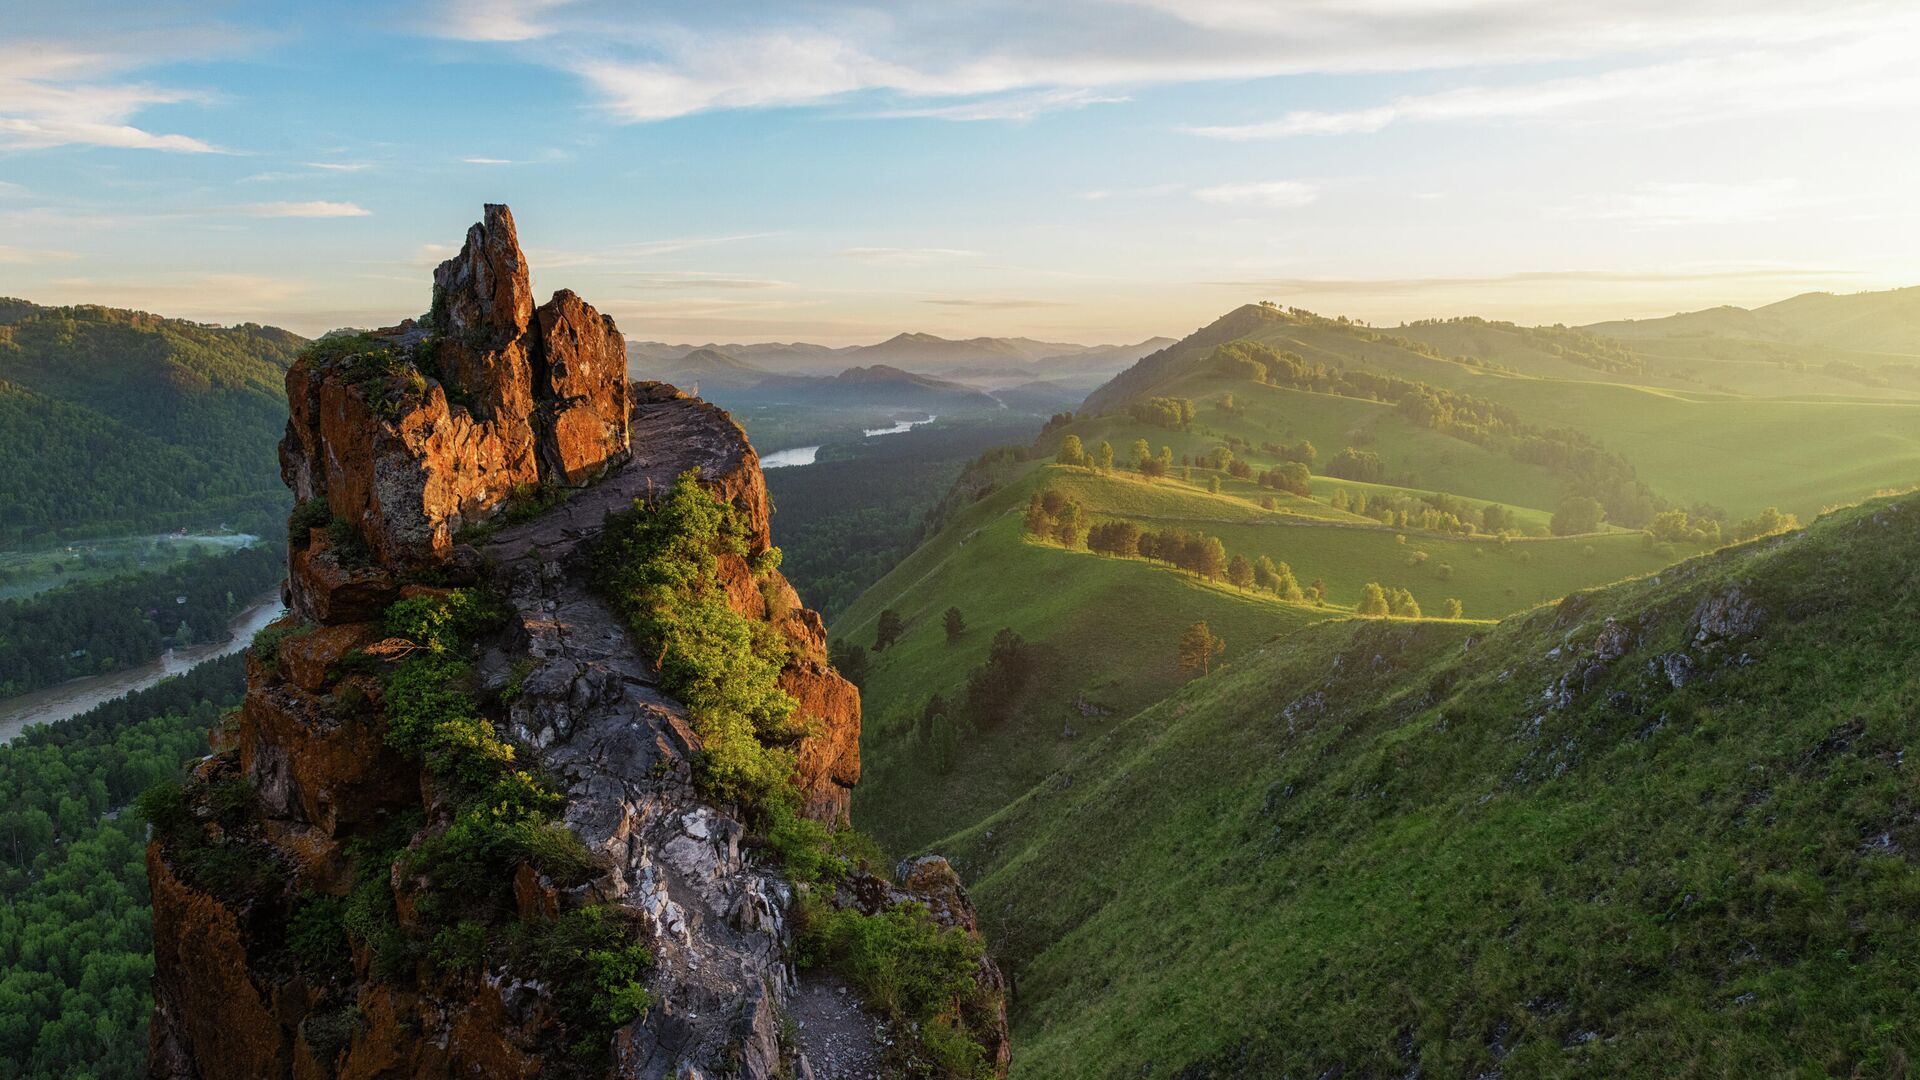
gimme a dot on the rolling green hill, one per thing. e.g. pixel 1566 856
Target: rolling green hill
pixel 1685 443
pixel 1376 846
pixel 1656 829
pixel 114 421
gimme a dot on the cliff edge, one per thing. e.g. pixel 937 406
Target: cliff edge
pixel 463 825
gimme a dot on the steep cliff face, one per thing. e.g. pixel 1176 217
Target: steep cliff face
pixel 482 451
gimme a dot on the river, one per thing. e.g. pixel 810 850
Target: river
pixel 900 426
pixel 781 459
pixel 76 696
pixel 805 455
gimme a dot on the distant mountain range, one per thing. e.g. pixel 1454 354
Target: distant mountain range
pixel 878 384
pixel 984 362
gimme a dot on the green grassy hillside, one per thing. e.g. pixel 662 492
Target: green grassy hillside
pixel 1106 628
pixel 115 421
pixel 1687 444
pixel 1658 829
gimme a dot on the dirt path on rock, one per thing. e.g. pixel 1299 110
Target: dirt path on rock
pixel 840 1039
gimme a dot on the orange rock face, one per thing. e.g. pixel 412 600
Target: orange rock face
pixel 421 430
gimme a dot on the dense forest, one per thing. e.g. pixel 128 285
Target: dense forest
pixel 117 420
pixel 75 946
pixel 843 524
pixel 94 627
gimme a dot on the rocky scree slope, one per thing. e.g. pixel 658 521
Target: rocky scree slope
pixel 326 902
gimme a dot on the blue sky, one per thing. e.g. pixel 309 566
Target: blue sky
pixel 1086 170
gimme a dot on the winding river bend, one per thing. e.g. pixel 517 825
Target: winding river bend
pixel 76 696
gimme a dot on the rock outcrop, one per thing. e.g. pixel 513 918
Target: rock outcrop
pixel 485 445
pixel 409 434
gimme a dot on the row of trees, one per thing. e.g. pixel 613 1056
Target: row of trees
pixel 1174 413
pixel 1707 528
pixel 1431 511
pixel 1053 517
pixel 1378 601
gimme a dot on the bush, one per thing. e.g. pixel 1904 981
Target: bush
pixel 317 937
pixel 307 516
pixel 592 959
pixel 659 564
pixel 917 974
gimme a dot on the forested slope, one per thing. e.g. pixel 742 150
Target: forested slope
pixel 117 421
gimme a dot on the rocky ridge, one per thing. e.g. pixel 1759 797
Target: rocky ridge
pixel 484 446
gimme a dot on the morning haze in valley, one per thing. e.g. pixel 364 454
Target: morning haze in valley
pixel 845 540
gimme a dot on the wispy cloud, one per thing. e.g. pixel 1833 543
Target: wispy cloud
pixel 19 256
pixel 997 303
pixel 1284 194
pixel 55 95
pixel 1148 192
pixel 694 279
pixel 487 161
pixel 314 209
pixel 1384 286
pixel 620 255
pixel 1016 107
pixel 1875 71
pixel 677 57
pixel 495 20
pixel 210 295
pixel 310 170
pixel 1663 205
pixel 899 256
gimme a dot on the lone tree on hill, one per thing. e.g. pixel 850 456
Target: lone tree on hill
pixel 888 631
pixel 955 623
pixel 1071 452
pixel 1106 455
pixel 1450 607
pixel 1198 650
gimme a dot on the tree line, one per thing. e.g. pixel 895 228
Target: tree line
pixel 1056 518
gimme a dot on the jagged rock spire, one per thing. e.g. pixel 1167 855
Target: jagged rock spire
pixel 417 431
pixel 484 290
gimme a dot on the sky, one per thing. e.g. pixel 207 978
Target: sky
pixel 1078 170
